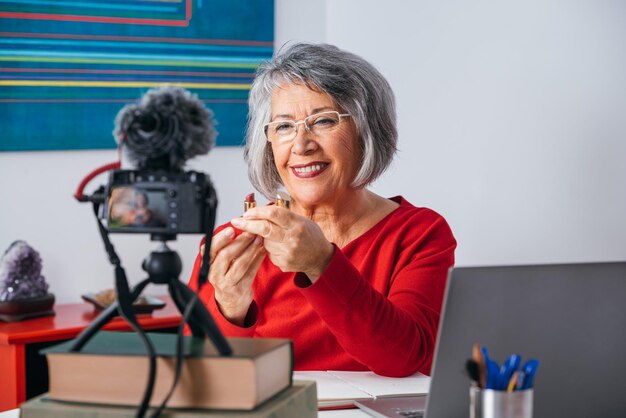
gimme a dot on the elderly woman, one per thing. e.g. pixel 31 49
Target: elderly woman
pixel 356 280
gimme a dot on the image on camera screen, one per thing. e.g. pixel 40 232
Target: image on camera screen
pixel 131 207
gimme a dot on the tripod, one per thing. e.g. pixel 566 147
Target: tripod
pixel 163 267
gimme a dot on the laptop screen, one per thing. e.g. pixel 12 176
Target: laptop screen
pixel 571 317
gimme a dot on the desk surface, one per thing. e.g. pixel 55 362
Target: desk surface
pixel 345 413
pixel 70 319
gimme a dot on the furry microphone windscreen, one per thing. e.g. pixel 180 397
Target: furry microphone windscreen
pixel 166 128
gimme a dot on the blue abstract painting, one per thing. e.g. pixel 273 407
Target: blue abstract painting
pixel 68 67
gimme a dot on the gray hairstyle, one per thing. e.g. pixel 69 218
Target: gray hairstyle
pixel 353 83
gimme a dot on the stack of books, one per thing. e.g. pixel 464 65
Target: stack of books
pixel 108 377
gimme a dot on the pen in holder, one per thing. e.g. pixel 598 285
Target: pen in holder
pixel 490 403
pixel 500 391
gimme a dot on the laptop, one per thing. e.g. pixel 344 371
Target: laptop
pixel 572 317
pixel 394 406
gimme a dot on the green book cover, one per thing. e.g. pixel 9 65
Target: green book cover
pixel 130 344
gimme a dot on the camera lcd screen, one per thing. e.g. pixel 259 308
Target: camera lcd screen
pixel 135 207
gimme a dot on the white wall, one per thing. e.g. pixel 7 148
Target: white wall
pixel 511 120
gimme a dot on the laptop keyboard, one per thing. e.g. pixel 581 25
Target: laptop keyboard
pixel 414 413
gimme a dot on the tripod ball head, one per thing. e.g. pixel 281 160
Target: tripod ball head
pixel 163 265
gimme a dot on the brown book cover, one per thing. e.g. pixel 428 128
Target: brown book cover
pixel 299 400
pixel 112 368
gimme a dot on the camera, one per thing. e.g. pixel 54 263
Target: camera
pixel 157 135
pixel 157 202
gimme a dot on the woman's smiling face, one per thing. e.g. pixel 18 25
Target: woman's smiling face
pixel 315 169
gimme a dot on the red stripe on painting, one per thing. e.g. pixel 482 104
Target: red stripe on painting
pixel 229 42
pixel 97 19
pixel 106 100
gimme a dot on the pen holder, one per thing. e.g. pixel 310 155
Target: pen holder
pixel 489 403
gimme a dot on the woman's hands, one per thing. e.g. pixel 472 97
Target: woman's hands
pixel 294 243
pixel 234 263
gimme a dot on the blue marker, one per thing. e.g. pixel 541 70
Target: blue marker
pixel 529 369
pixel 508 368
pixel 488 368
pixel 493 375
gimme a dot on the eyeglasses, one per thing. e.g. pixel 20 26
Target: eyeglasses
pixel 319 124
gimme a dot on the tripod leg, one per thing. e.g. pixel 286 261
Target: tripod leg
pixel 180 302
pixel 102 319
pixel 201 316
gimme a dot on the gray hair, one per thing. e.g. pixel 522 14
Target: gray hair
pixel 353 83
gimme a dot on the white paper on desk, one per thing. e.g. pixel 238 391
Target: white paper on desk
pixel 336 388
pixel 330 387
pixel 377 386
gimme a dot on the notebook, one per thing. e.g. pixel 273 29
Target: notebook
pixel 343 388
pixel 572 317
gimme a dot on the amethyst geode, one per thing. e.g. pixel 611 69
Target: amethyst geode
pixel 20 273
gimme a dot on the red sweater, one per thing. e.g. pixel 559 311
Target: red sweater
pixel 376 307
